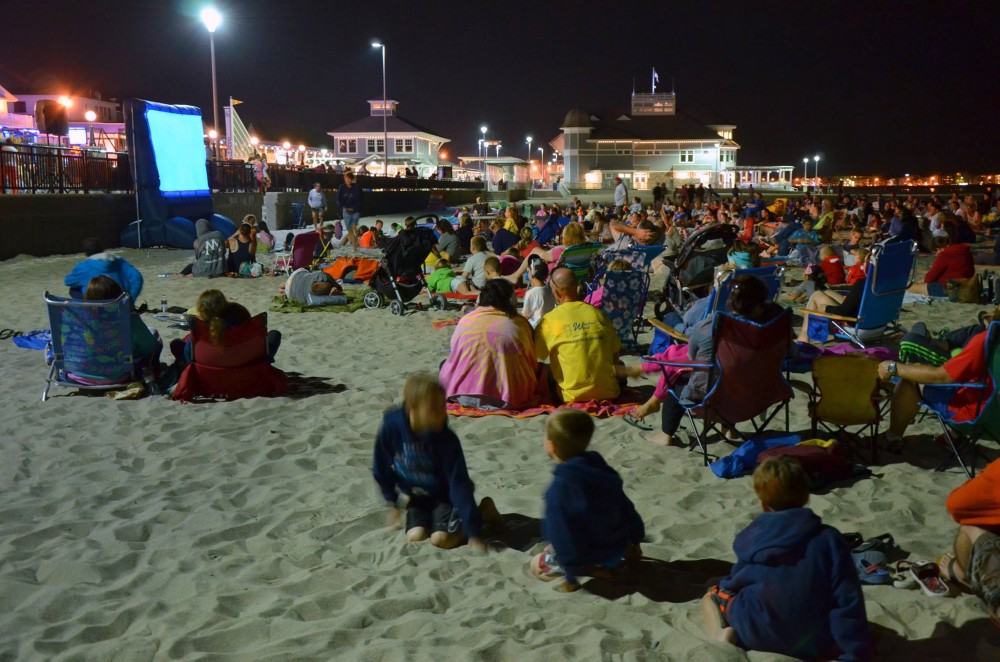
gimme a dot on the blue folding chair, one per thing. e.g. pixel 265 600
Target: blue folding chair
pixel 91 343
pixel 890 272
pixel 547 232
pixel 935 401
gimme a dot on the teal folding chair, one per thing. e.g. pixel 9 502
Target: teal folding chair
pixel 578 259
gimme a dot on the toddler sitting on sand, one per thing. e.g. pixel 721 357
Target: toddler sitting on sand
pixel 793 590
pixel 592 527
pixel 417 455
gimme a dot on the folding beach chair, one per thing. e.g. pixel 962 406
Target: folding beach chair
pixel 547 232
pixel 890 272
pixel 91 343
pixel 846 392
pixel 745 379
pixel 298 255
pixel 624 299
pixel 604 259
pixel 964 437
pixel 578 260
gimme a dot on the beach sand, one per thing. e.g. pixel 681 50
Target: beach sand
pixel 252 530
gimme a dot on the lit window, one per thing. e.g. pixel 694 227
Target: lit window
pixel 376 146
pixel 404 145
pixel 687 156
pixel 347 146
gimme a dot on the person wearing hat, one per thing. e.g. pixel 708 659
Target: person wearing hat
pixel 101 263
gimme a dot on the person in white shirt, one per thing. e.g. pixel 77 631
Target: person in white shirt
pixel 621 193
pixel 317 203
pixel 539 299
pixel 636 205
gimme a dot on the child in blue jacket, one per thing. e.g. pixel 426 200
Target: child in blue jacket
pixel 592 527
pixel 793 590
pixel 417 455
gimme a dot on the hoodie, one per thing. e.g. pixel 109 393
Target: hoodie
pixel 588 518
pixel 210 251
pixel 430 464
pixel 796 590
pixel 104 264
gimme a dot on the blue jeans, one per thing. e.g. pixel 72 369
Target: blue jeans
pixel 350 220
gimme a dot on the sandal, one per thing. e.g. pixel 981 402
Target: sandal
pixel 928 577
pixel 901 578
pixel 635 422
pixel 870 566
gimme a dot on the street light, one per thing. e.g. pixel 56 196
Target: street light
pixel 486 150
pixel 302 154
pixel 816 174
pixel 529 148
pixel 385 110
pixel 90 117
pixel 212 19
pixel 805 170
pixel 498 150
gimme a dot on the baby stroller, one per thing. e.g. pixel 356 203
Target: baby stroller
pixel 690 274
pixel 400 275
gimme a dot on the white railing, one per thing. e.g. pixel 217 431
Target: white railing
pixel 16 120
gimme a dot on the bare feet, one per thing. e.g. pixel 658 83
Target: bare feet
pixel 660 439
pixel 416 534
pixel 950 569
pixel 645 409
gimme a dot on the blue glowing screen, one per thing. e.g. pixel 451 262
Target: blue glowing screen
pixel 179 150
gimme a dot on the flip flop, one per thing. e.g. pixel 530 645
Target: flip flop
pixel 901 577
pixel 928 577
pixel 636 423
pixel 870 566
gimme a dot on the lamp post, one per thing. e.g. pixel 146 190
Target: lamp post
pixel 816 174
pixel 302 155
pixel 805 172
pixel 91 116
pixel 254 141
pixel 385 110
pixel 486 153
pixel 286 146
pixel 529 148
pixel 211 18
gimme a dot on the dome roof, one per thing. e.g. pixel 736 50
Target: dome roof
pixel 577 119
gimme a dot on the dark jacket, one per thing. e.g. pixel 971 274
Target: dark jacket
pixel 350 197
pixel 426 465
pixel 588 518
pixel 116 268
pixel 796 590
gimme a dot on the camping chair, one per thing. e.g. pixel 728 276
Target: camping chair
pixel 237 368
pixel 298 255
pixel 91 343
pixel 578 260
pixel 964 436
pixel 624 298
pixel 890 272
pixel 547 232
pixel 846 392
pixel 637 260
pixel 745 378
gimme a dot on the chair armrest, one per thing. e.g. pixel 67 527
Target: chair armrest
pixel 677 364
pixel 818 313
pixel 667 329
pixel 802 386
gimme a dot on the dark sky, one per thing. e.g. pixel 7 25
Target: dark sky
pixel 875 87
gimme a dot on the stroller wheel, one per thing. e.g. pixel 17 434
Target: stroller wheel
pixel 396 307
pixel 373 299
pixel 439 302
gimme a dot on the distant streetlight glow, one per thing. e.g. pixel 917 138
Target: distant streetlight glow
pixel 805 168
pixel 212 19
pixel 528 139
pixel 90 116
pixel 254 140
pixel 213 134
pixel 66 101
pixel 286 145
pixel 816 174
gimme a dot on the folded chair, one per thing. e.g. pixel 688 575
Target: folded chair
pixel 745 379
pixel 298 255
pixel 890 272
pixel 91 343
pixel 578 260
pixel 845 392
pixel 624 299
pixel 963 437
pixel 237 368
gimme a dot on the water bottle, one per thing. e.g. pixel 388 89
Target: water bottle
pixel 163 305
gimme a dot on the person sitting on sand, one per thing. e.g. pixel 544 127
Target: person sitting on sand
pixel 975 562
pixel 101 263
pixel 219 314
pixel 592 527
pixel 492 362
pixel 953 262
pixel 439 280
pixel 418 456
pixel 538 300
pixel 146 344
pixel 749 302
pixel 313 288
pixel 794 589
pixel 242 249
pixel 209 252
pixel 465 232
pixel 473 275
pixel 581 344
pixel 448 244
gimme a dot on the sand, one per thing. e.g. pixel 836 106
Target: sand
pixel 252 530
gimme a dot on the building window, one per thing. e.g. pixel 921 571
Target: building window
pixel 687 156
pixel 404 145
pixel 347 146
pixel 376 146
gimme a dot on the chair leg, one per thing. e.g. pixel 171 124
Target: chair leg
pixel 955 454
pixel 48 383
pixel 698 439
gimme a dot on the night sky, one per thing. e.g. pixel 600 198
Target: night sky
pixel 873 87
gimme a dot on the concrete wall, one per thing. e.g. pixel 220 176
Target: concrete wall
pixel 57 224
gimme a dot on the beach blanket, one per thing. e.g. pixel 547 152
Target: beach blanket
pixel 37 339
pixel 282 304
pixel 626 402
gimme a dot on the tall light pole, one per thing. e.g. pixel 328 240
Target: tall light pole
pixel 91 116
pixel 212 19
pixel 816 174
pixel 486 153
pixel 529 149
pixel 385 110
pixel 805 172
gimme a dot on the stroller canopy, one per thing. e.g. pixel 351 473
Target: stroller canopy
pixel 406 252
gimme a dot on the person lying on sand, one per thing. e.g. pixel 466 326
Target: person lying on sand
pixel 592 527
pixel 419 457
pixel 313 288
pixel 975 561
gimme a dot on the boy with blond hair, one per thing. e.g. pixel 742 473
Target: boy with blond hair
pixel 592 527
pixel 419 457
pixel 794 589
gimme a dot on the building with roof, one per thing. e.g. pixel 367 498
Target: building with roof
pixel 12 116
pixel 362 142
